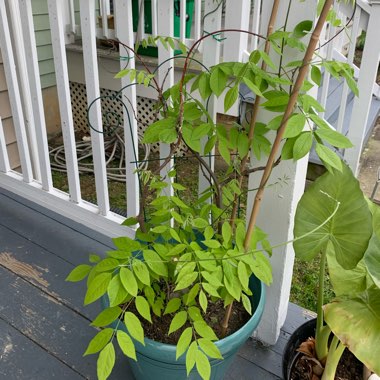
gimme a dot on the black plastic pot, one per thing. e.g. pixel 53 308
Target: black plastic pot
pixel 290 356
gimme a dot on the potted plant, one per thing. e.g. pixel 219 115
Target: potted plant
pixel 348 245
pixel 192 256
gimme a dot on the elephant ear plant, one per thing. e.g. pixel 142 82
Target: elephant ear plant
pixel 190 255
pixel 349 247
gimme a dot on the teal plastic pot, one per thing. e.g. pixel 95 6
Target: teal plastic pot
pixel 157 360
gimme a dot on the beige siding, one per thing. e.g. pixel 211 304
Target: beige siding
pixel 6 118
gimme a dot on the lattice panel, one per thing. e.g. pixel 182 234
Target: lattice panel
pixel 112 110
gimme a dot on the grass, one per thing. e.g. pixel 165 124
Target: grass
pixel 305 284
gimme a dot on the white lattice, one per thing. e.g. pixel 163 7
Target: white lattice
pixel 112 111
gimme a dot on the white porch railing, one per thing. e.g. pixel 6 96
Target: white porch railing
pixel 35 180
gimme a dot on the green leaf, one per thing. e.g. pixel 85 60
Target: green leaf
pixel 141 271
pixel 183 342
pixel 204 330
pixel 195 313
pixel 303 28
pixel 226 233
pixel 240 236
pixel 134 327
pixel 209 348
pixel 116 291
pixel 265 57
pixel 302 145
pixel 372 259
pixel 231 97
pixel 295 125
pixel 178 321
pixel 152 133
pixel 243 145
pixel 204 85
pixel 129 281
pixel 107 316
pixel 202 298
pixel 349 230
pixel 106 265
pixel 126 344
pixel 218 80
pixel 255 89
pixel 203 365
pixel 356 322
pixel 246 303
pixel 334 138
pixel 126 244
pixel 155 263
pixel 209 145
pixel 106 362
pixel 287 149
pixel 97 287
pixel 224 151
pixel 211 289
pixel 316 75
pixel 186 281
pixel 172 306
pixel 192 294
pixel 99 341
pixel 211 243
pixel 200 223
pixel 143 308
pixel 94 258
pixel 328 156
pixel 79 273
pixel 243 275
pixel 190 357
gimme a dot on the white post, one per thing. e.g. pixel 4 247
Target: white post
pixel 279 201
pixel 21 62
pixel 166 71
pixel 90 59
pixel 211 54
pixel 124 32
pixel 36 93
pixel 63 89
pixel 367 77
pixel 14 95
pixel 4 160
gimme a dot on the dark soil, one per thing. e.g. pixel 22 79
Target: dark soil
pixel 158 330
pixel 349 368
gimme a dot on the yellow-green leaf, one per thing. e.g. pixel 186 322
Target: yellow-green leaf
pixel 126 344
pixel 106 361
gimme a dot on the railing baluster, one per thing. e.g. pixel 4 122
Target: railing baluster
pixel 123 14
pixel 63 89
pixel 255 27
pixel 197 19
pixel 350 59
pixel 212 47
pixel 20 57
pixel 165 72
pixel 104 6
pixel 154 17
pixel 182 20
pixel 4 160
pixel 141 24
pixel 14 95
pixel 90 59
pixel 36 93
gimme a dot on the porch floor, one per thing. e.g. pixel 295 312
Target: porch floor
pixel 44 328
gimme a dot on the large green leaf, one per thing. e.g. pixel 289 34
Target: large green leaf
pixel 372 256
pixel 348 230
pixel 356 322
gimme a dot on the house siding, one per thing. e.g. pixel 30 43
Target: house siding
pixel 43 41
pixel 7 121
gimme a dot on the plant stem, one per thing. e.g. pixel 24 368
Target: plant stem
pixel 335 353
pixel 289 109
pixel 255 108
pixel 251 132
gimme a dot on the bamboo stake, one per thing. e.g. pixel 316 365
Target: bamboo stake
pixel 251 132
pixel 284 122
